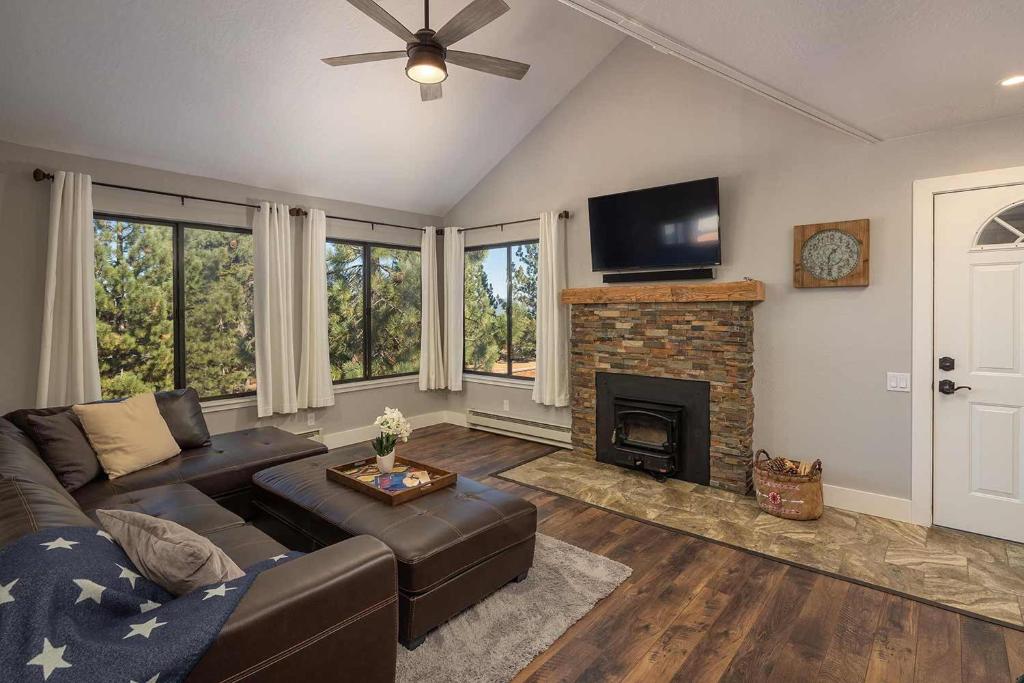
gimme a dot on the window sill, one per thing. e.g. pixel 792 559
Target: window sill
pixel 222 404
pixel 510 382
pixel 347 387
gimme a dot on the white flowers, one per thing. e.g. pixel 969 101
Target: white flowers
pixel 393 423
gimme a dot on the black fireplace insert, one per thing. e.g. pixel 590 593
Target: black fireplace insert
pixel 655 424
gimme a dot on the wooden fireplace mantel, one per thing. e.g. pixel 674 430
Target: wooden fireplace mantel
pixel 742 290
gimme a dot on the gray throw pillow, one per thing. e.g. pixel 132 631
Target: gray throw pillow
pixel 63 446
pixel 167 553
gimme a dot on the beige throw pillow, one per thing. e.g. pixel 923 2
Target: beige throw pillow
pixel 128 435
pixel 167 553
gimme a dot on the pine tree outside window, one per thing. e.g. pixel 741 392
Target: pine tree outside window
pixel 500 314
pixel 373 310
pixel 174 307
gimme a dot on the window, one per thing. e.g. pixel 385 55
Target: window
pixel 373 304
pixel 1005 229
pixel 501 310
pixel 174 308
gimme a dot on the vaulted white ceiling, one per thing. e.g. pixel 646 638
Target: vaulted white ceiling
pixel 234 89
pixel 887 67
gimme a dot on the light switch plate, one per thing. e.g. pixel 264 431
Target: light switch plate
pixel 897 381
pixel 310 418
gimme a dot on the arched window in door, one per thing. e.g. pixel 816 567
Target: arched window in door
pixel 1004 230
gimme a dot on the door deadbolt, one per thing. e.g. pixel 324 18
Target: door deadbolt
pixel 946 364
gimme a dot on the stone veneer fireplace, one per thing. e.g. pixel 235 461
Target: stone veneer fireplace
pixel 702 333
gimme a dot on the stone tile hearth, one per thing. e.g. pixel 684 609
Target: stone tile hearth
pixel 975 574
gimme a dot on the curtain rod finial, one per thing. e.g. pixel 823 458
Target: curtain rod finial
pixel 40 175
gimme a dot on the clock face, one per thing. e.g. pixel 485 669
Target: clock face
pixel 830 254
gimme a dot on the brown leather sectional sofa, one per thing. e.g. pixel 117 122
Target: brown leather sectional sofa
pixel 329 615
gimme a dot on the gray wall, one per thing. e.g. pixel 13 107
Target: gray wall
pixel 24 209
pixel 642 119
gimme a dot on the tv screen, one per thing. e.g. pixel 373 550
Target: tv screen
pixel 661 227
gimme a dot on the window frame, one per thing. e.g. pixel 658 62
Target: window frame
pixel 508 309
pixel 366 247
pixel 178 286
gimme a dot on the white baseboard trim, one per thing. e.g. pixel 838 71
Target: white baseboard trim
pixel 876 504
pixel 367 432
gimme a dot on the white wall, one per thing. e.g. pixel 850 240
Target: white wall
pixel 642 119
pixel 24 208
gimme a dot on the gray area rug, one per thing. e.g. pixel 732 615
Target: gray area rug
pixel 493 641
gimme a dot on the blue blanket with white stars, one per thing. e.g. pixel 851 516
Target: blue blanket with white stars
pixel 73 609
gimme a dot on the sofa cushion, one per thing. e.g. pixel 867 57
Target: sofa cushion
pixel 62 445
pixel 168 554
pixel 225 466
pixel 246 545
pixel 27 506
pixel 128 435
pixel 183 414
pixel 20 461
pixel 179 503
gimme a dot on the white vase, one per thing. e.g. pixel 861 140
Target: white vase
pixel 386 463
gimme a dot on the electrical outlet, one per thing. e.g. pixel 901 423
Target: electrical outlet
pixel 504 405
pixel 310 418
pixel 897 381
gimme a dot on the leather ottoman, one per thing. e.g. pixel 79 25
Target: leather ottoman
pixel 454 547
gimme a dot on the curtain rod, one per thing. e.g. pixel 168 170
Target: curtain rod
pixel 561 214
pixel 40 175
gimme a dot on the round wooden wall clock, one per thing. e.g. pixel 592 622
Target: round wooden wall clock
pixel 831 254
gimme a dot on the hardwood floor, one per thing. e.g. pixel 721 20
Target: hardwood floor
pixel 698 611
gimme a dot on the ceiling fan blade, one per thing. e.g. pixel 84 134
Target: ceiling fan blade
pixel 430 91
pixel 381 16
pixel 363 58
pixel 487 64
pixel 472 17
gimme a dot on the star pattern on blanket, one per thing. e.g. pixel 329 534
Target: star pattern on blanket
pixel 218 592
pixel 278 558
pixel 90 590
pixel 150 680
pixel 128 574
pixel 5 592
pixel 144 629
pixel 147 606
pixel 60 543
pixel 105 535
pixel 51 658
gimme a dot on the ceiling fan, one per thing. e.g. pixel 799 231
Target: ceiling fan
pixel 427 49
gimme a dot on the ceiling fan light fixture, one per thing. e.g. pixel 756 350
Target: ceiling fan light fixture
pixel 426 65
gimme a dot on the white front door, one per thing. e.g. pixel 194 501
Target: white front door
pixel 979 329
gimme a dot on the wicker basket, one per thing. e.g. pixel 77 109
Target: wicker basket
pixel 790 496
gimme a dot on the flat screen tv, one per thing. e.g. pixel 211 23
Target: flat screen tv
pixel 675 226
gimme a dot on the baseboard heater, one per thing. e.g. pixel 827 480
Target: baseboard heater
pixel 314 434
pixel 552 434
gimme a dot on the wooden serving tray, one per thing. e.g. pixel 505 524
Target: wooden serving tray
pixel 347 476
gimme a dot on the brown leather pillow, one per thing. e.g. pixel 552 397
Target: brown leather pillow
pixel 184 417
pixel 65 449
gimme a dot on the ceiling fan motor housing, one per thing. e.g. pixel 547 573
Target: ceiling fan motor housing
pixel 426 53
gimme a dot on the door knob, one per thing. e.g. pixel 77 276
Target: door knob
pixel 947 386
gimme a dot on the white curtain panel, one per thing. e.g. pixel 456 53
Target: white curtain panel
pixel 551 386
pixel 315 387
pixel 432 368
pixel 274 284
pixel 69 370
pixel 454 272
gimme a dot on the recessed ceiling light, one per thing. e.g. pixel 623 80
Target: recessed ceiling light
pixel 1012 80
